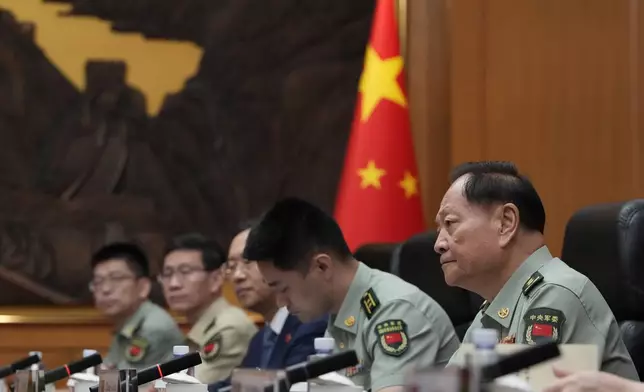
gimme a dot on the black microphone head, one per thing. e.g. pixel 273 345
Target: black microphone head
pixel 26 362
pixel 523 359
pixel 173 366
pixel 73 367
pixel 19 365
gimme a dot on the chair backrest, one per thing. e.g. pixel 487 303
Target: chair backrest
pixel 605 242
pixel 417 263
pixel 376 255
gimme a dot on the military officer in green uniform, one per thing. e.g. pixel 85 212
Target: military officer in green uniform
pixel 144 332
pixel 391 324
pixel 192 280
pixel 491 222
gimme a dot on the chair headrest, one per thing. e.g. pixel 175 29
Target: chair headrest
pixel 376 255
pixel 417 263
pixel 605 242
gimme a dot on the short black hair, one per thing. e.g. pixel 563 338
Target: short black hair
pixel 248 224
pixel 291 232
pixel 131 253
pixel 212 254
pixel 492 182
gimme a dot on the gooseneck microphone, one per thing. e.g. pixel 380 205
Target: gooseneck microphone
pixel 163 369
pixel 73 367
pixel 304 371
pixel 523 359
pixel 19 365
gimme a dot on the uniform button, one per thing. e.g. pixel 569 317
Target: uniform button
pixel 341 345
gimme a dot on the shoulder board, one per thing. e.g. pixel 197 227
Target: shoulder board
pixel 369 303
pixel 210 326
pixel 532 282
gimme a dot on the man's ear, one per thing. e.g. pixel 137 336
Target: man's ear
pixel 144 286
pixel 216 278
pixel 508 218
pixel 322 263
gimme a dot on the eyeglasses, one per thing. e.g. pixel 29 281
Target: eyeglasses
pixel 244 266
pixel 183 273
pixel 114 280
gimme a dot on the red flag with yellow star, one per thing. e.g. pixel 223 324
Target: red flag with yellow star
pixel 378 198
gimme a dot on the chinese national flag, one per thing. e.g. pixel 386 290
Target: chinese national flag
pixel 378 198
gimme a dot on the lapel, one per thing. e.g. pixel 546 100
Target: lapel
pixel 283 341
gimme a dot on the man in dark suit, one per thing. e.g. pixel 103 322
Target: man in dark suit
pixel 284 340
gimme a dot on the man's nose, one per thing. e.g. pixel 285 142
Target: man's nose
pixel 238 275
pixel 174 282
pixel 440 246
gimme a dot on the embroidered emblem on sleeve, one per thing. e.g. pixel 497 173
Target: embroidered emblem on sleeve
pixel 136 350
pixel 543 325
pixel 211 349
pixel 392 337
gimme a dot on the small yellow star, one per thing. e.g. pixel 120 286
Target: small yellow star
pixel 379 80
pixel 410 184
pixel 370 175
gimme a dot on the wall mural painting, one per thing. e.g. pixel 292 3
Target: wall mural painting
pixel 266 114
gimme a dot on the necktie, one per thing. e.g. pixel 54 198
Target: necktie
pixel 269 343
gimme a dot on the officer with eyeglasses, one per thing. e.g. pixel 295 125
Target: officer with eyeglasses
pixel 192 279
pixel 144 333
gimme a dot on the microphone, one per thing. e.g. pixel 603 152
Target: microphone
pixel 155 372
pixel 73 367
pixel 19 365
pixel 523 359
pixel 303 371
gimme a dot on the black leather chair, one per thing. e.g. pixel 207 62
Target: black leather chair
pixel 416 262
pixel 376 255
pixel 605 242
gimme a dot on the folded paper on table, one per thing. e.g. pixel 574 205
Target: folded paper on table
pixel 574 357
pixel 330 382
pixel 81 382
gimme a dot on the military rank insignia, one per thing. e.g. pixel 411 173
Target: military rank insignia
pixel 543 325
pixel 392 337
pixel 136 350
pixel 211 349
pixel 531 283
pixel 369 303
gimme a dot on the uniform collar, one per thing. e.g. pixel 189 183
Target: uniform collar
pixel 207 320
pixel 351 303
pixel 133 323
pixel 278 321
pixel 506 300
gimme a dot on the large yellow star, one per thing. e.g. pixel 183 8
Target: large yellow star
pixel 410 184
pixel 379 80
pixel 370 175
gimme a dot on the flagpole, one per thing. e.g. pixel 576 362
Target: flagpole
pixel 401 16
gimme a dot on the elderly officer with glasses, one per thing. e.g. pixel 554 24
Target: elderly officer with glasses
pixel 144 333
pixel 192 280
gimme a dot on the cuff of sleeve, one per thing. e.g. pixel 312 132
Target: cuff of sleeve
pixel 389 380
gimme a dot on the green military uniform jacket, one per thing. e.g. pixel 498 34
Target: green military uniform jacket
pixel 221 335
pixel 145 339
pixel 544 299
pixel 393 327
